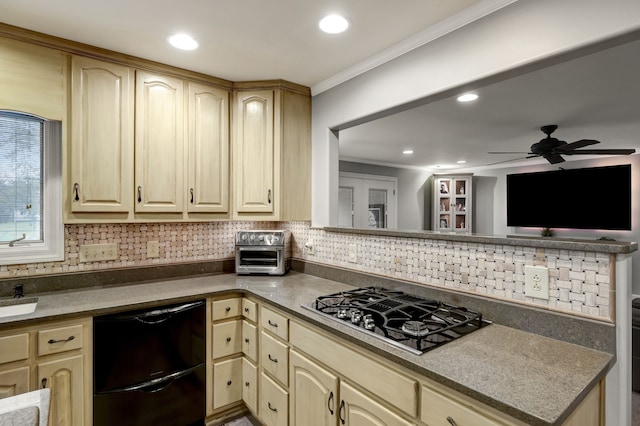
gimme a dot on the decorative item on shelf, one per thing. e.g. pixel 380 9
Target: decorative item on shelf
pixel 546 232
pixel 605 238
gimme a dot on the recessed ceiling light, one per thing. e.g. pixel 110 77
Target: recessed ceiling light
pixel 183 42
pixel 334 24
pixel 407 152
pixel 462 161
pixel 467 97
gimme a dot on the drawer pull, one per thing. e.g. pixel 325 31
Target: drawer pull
pixel 246 310
pixel 272 359
pixel 273 324
pixel 275 410
pixel 228 339
pixel 451 421
pixel 44 383
pixel 227 309
pixel 68 339
pixel 342 408
pixel 246 340
pixel 247 384
pixel 330 403
pixel 229 383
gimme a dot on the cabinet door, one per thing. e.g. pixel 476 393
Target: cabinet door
pixel 208 149
pixel 101 148
pixel 159 146
pixel 356 409
pixel 227 382
pixel 314 393
pixel 254 152
pixel 65 379
pixel 250 385
pixel 14 382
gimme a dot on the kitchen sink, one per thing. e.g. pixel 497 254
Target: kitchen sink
pixel 11 307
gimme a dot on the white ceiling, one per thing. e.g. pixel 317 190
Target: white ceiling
pixel 243 40
pixel 593 97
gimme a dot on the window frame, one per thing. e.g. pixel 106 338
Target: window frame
pixel 51 249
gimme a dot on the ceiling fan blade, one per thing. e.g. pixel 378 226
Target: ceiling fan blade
pixel 575 145
pixel 513 159
pixel 509 152
pixel 601 152
pixel 554 158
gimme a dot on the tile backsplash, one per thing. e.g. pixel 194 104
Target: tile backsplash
pixel 580 282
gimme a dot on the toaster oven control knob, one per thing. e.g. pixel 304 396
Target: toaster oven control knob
pixel 260 237
pixel 268 239
pixel 356 317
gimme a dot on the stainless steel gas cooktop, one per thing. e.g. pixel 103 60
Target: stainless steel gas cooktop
pixel 411 322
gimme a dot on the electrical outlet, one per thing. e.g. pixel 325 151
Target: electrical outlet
pixel 309 246
pixel 153 249
pixel 98 252
pixel 353 253
pixel 536 282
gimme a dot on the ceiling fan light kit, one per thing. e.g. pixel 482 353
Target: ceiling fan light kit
pixel 553 149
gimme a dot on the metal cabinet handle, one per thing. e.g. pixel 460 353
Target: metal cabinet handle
pixel 246 310
pixel 272 359
pixel 76 188
pixel 451 421
pixel 246 340
pixel 247 384
pixel 272 324
pixel 342 408
pixel 269 196
pixel 44 383
pixel 227 309
pixel 68 339
pixel 228 339
pixel 139 194
pixel 275 410
pixel 229 383
pixel 330 403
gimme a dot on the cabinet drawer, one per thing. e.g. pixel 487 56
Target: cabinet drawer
pixel 226 338
pixel 437 407
pixel 60 339
pixel 274 358
pixel 274 402
pixel 275 323
pixel 250 340
pixel 250 385
pixel 388 384
pixel 227 382
pixel 250 310
pixel 14 348
pixel 225 308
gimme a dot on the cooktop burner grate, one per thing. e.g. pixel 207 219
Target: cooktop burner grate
pixel 409 321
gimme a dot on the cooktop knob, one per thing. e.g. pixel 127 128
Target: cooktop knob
pixel 342 314
pixel 356 317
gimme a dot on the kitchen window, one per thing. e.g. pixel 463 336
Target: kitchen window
pixel 31 227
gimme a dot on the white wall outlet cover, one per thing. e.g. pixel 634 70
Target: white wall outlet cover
pixel 353 253
pixel 536 282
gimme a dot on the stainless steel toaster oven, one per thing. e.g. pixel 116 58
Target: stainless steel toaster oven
pixel 263 252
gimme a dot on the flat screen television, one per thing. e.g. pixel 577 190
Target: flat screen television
pixel 588 198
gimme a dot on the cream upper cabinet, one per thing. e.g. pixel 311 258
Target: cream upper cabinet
pixel 254 152
pixel 272 155
pixel 159 147
pixel 208 119
pixel 101 147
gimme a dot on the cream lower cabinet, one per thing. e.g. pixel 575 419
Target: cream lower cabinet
pixel 56 355
pixel 314 393
pixel 357 409
pixel 273 395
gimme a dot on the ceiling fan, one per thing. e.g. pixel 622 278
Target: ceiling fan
pixel 553 149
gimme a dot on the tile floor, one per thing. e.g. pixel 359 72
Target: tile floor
pixel 242 421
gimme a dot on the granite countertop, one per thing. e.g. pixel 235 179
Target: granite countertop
pixel 530 377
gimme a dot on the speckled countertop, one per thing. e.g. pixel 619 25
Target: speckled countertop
pixel 533 378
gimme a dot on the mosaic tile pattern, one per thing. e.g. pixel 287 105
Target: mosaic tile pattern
pixel 580 282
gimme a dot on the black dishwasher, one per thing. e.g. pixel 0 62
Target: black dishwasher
pixel 149 366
